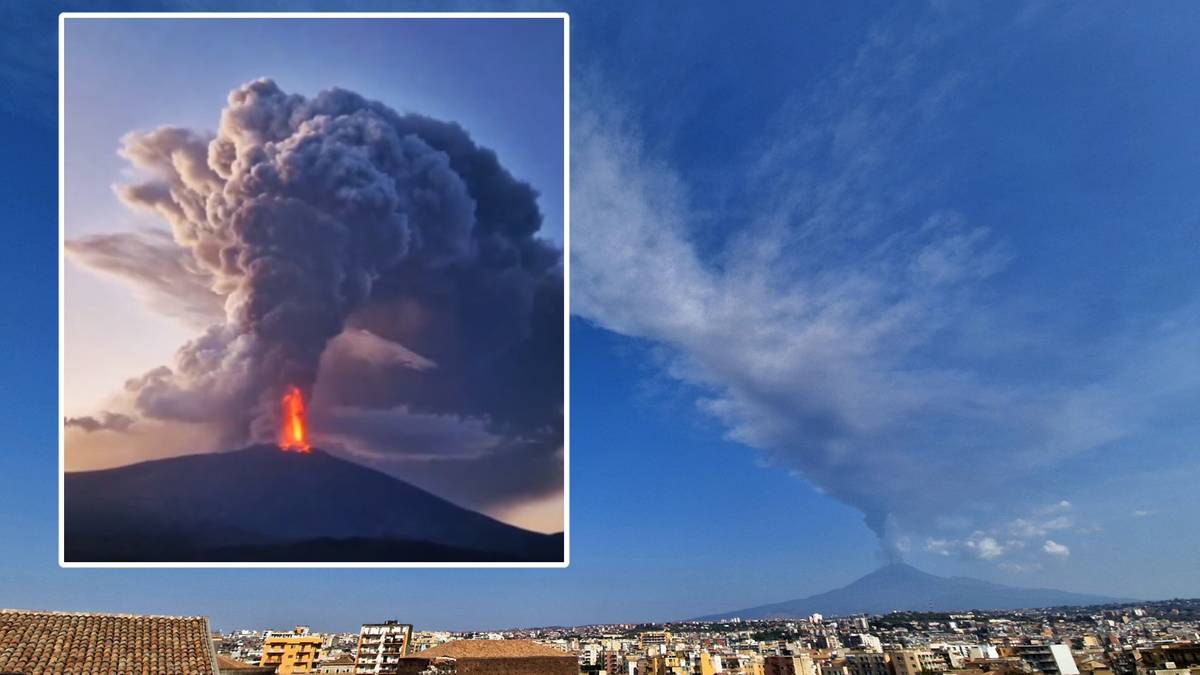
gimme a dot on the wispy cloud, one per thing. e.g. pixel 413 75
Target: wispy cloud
pixel 164 276
pixel 105 421
pixel 1043 521
pixel 828 333
pixel 1017 537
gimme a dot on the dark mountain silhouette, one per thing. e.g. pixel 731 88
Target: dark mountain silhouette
pixel 903 587
pixel 262 504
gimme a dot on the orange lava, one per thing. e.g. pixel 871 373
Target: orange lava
pixel 293 432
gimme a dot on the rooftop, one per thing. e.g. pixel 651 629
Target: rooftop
pixel 492 649
pixel 61 643
pixel 231 665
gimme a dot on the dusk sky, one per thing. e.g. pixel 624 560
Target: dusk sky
pixel 850 283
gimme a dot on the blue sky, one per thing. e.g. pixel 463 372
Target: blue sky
pixel 933 266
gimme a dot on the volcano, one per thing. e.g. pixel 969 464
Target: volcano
pixel 260 504
pixel 901 587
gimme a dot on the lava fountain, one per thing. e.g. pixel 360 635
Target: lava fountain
pixel 293 429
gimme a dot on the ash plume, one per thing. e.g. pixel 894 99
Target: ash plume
pixel 845 327
pixel 306 216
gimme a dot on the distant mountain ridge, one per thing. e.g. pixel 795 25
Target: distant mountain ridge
pixel 263 504
pixel 901 587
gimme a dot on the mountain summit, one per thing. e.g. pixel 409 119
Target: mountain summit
pixel 264 505
pixel 899 586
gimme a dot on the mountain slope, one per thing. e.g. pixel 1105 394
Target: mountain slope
pixel 265 503
pixel 903 587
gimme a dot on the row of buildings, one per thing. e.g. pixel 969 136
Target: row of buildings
pixel 1028 659
pixel 786 659
pixel 379 650
pixel 1131 641
pixel 84 643
pixel 1162 639
pixel 387 649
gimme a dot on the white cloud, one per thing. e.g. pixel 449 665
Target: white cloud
pixel 982 546
pixel 1049 519
pixel 1060 507
pixel 1056 549
pixel 985 548
pixel 1000 544
pixel 1144 513
pixel 940 546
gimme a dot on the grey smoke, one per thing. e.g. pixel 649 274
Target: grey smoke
pixel 167 275
pixel 106 421
pixel 842 326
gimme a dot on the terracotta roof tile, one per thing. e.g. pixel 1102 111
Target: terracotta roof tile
pixel 71 643
pixel 228 664
pixel 492 649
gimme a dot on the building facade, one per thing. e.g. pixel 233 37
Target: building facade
pixel 382 646
pixel 491 657
pixel 654 641
pixel 1048 659
pixel 780 665
pixel 867 663
pixel 916 661
pixel 291 652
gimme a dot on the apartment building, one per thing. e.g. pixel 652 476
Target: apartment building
pixel 382 646
pixel 295 651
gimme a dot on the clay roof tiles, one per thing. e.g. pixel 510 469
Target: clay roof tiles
pixel 492 649
pixel 76 643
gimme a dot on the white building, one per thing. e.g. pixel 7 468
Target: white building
pixel 982 652
pixel 1049 659
pixel 380 646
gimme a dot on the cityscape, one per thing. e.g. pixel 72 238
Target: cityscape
pixel 1149 638
pixel 1159 638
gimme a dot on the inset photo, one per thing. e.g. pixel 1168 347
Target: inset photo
pixel 313 301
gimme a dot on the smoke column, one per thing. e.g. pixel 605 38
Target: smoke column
pixel 297 212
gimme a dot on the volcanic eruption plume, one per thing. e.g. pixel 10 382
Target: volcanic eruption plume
pixel 301 214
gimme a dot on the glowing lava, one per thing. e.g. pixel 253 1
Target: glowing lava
pixel 293 432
